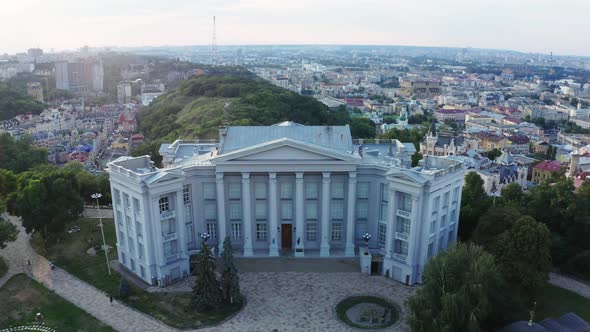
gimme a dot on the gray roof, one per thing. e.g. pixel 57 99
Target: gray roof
pixel 331 137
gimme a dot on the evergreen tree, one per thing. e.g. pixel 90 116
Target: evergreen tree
pixel 230 280
pixel 474 202
pixel 206 291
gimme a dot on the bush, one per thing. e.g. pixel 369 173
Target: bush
pixel 124 288
pixel 579 265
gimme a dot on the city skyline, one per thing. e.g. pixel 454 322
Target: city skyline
pixel 526 26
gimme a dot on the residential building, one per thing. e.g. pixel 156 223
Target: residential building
pixel 79 76
pixel 420 88
pixel 442 145
pixel 545 169
pixel 306 191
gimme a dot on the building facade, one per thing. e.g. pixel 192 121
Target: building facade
pixel 287 189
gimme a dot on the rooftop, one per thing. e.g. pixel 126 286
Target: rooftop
pixel 549 165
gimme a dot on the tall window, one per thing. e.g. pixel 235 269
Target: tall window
pixel 311 210
pixel 286 190
pixel 164 204
pixel 136 205
pixel 443 220
pixel 337 210
pixel 404 201
pixel 235 211
pixel 362 210
pixel 430 250
pixel 286 210
pixel 117 196
pixel 236 231
pixel 260 190
pixel 337 190
pixel 311 231
pixel 212 230
pixel 433 226
pixel 446 199
pixel 126 201
pixel 400 247
pixel 453 216
pixel 383 189
pixel 260 210
pixel 138 229
pixel 121 239
pixel 382 231
pixel 186 193
pixel 170 248
pixel 190 233
pixel 451 237
pixel 261 232
pixel 131 246
pixel 168 226
pixel 336 231
pixel 455 194
pixel 402 225
pixel 235 191
pixel 436 205
pixel 140 250
pixel 311 190
pixel 119 218
pixel 209 190
pixel 362 190
pixel 210 212
pixel 128 223
pixel 441 241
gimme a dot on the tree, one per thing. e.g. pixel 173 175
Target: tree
pixel 494 153
pixel 8 185
pixel 206 291
pixel 491 224
pixel 47 199
pixel 230 280
pixel 512 194
pixel 362 128
pixel 523 254
pixel 474 202
pixel 8 233
pixel 459 291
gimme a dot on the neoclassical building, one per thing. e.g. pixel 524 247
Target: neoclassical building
pixel 287 189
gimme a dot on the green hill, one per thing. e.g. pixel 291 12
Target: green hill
pixel 13 103
pixel 230 95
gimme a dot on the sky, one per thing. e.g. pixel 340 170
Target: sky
pixel 539 26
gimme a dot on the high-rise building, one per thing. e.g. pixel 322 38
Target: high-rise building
pixel 123 92
pixel 79 76
pixel 34 52
pixel 35 90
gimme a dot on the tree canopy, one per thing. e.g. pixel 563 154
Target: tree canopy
pixel 474 202
pixel 13 103
pixel 459 291
pixel 19 155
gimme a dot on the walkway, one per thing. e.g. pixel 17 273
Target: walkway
pixel 570 284
pixel 276 301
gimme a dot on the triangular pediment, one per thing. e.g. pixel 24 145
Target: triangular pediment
pixel 285 150
pixel 406 176
pixel 164 177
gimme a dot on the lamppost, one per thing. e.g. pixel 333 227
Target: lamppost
pixel 104 242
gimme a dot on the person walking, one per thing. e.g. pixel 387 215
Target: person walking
pixel 111 299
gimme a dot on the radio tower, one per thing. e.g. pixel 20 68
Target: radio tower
pixel 214 45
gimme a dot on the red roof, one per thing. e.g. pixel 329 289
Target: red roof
pixel 549 165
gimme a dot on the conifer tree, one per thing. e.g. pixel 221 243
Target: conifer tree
pixel 230 280
pixel 206 291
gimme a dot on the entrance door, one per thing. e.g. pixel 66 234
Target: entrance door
pixel 286 236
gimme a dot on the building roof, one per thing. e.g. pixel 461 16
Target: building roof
pixel 450 111
pixel 549 165
pixel 331 137
pixel 519 139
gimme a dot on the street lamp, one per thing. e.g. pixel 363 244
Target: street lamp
pixel 104 242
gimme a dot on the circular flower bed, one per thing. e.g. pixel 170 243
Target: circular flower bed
pixel 367 312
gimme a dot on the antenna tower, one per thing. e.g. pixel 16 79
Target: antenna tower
pixel 214 45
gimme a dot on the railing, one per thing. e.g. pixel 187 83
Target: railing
pixel 403 236
pixel 403 213
pixel 169 236
pixel 167 215
pixel 400 257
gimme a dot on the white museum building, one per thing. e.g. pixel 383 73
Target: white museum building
pixel 286 189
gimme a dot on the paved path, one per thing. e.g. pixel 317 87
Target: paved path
pixel 570 284
pixel 90 212
pixel 277 301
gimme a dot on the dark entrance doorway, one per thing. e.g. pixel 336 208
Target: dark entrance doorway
pixel 286 236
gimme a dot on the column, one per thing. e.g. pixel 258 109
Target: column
pixel 273 250
pixel 414 236
pixel 325 245
pixel 390 224
pixel 299 212
pixel 247 215
pixel 220 210
pixel 180 224
pixel 350 214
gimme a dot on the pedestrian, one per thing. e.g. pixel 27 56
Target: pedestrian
pixel 28 262
pixel 111 299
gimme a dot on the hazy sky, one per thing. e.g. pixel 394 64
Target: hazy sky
pixel 561 26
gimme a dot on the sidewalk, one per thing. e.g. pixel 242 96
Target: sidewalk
pixel 570 284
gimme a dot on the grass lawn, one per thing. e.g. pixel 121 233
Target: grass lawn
pixel 3 267
pixel 556 301
pixel 23 297
pixel 70 254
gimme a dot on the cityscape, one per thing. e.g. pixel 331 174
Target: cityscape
pixel 298 184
